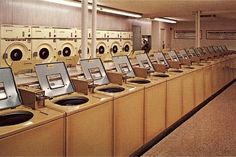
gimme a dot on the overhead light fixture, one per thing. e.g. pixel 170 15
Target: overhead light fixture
pixel 99 8
pixel 119 12
pixel 164 20
pixel 65 2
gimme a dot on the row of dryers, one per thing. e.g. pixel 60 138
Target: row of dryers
pixel 47 44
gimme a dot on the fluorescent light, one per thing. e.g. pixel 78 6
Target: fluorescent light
pixel 101 9
pixel 118 12
pixel 65 2
pixel 164 20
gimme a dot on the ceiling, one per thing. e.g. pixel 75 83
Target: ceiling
pixel 179 9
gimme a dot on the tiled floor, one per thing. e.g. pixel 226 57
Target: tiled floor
pixel 210 132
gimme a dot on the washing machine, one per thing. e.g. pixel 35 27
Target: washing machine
pixel 115 43
pixel 15 44
pixel 127 42
pixel 44 44
pixel 102 45
pixel 26 131
pixel 78 107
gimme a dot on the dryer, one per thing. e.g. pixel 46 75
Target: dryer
pixel 66 42
pixel 115 43
pixel 44 44
pixel 127 42
pixel 102 45
pixel 15 44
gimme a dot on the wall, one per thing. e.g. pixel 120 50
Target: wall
pixel 156 35
pixel 36 12
pixel 168 33
pixel 146 25
pixel 205 25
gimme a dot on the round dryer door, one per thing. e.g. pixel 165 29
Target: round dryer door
pixel 46 53
pixel 66 52
pixel 115 49
pixel 16 55
pixel 101 49
pixel 127 48
pixel 16 52
pixel 67 49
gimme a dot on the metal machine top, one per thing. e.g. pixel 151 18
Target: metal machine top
pixel 9 95
pixel 123 65
pixel 145 62
pixel 93 69
pixel 54 79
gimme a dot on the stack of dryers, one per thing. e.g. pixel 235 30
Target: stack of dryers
pixel 15 44
pixel 102 45
pixel 127 42
pixel 66 42
pixel 115 43
pixel 44 44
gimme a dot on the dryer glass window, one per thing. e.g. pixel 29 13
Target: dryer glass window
pixel 126 48
pixel 95 73
pixel 66 52
pixel 3 94
pixel 101 50
pixel 55 81
pixel 115 49
pixel 44 53
pixel 16 55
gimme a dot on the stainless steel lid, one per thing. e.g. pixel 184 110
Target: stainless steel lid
pixel 54 79
pixel 123 65
pixel 9 95
pixel 93 69
pixel 145 62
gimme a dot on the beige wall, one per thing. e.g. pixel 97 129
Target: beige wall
pixel 156 35
pixel 36 12
pixel 205 25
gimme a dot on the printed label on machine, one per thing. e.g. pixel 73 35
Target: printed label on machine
pixel 124 68
pixel 146 64
pixel 3 94
pixel 95 73
pixel 55 81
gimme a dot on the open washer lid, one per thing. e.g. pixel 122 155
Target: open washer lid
pixel 145 62
pixel 184 54
pixel 161 59
pixel 173 56
pixel 192 52
pixel 54 79
pixel 9 95
pixel 93 69
pixel 123 65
